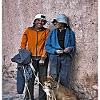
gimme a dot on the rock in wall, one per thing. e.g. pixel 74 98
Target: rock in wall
pixel 18 14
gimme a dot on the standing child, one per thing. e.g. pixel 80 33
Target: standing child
pixel 60 46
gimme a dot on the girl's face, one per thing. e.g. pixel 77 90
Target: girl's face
pixel 58 25
pixel 39 23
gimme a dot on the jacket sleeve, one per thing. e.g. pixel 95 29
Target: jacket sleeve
pixel 72 42
pixel 44 55
pixel 24 39
pixel 48 45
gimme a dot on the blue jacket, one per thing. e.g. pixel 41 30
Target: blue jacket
pixel 23 57
pixel 52 44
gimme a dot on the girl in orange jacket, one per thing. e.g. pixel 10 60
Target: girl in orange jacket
pixel 33 39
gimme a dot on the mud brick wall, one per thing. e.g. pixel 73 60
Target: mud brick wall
pixel 18 14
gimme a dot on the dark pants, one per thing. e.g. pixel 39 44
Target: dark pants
pixel 42 71
pixel 30 89
pixel 60 68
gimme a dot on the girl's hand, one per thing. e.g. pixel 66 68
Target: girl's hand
pixel 67 50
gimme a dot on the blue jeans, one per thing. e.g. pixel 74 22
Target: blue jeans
pixel 20 80
pixel 21 83
pixel 60 68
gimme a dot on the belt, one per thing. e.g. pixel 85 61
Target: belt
pixel 36 58
pixel 63 54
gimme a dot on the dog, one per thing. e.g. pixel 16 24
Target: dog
pixel 55 91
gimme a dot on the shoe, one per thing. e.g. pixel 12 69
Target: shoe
pixel 26 98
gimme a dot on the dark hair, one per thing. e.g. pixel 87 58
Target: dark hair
pixel 65 25
pixel 54 20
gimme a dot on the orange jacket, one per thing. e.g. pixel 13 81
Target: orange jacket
pixel 35 41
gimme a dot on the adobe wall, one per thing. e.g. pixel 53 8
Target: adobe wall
pixel 18 14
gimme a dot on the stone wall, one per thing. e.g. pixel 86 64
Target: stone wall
pixel 18 14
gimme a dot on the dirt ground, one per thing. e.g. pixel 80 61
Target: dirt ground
pixel 9 91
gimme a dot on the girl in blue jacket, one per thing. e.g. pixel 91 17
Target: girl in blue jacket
pixel 60 45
